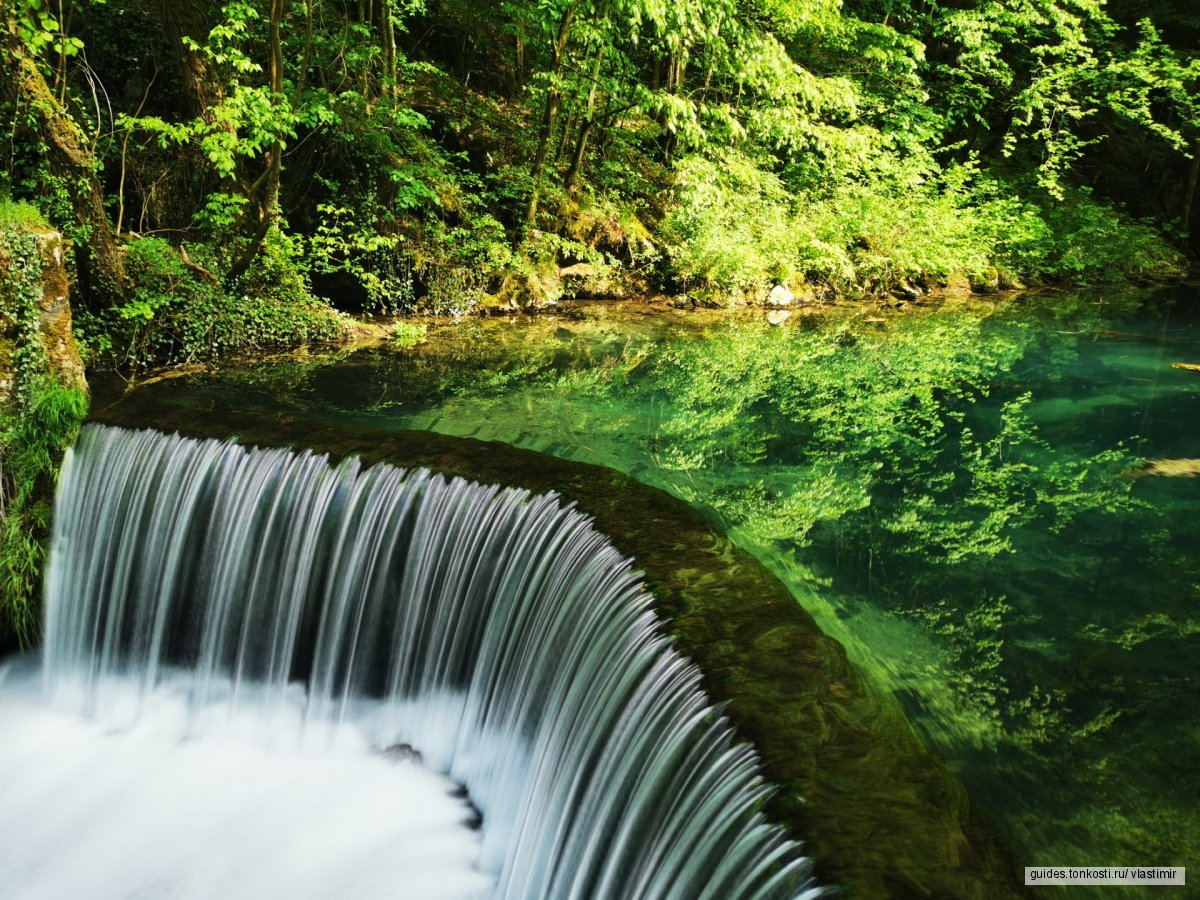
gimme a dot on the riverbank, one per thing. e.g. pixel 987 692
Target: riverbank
pixel 411 330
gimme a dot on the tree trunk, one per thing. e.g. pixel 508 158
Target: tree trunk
pixel 585 132
pixel 676 66
pixel 564 136
pixel 69 157
pixel 185 23
pixel 301 80
pixel 389 48
pixel 187 26
pixel 1189 198
pixel 367 17
pixel 549 113
pixel 265 191
pixel 585 129
pixel 519 70
pixel 549 117
pixel 708 72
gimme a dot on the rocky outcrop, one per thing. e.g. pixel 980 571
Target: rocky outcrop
pixel 780 296
pixel 36 312
pixel 54 315
pixel 42 403
pixel 986 280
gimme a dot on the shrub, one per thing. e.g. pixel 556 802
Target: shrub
pixel 1080 239
pixel 731 225
pixel 178 311
pixel 878 235
pixel 735 227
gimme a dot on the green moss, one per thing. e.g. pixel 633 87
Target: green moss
pixel 19 214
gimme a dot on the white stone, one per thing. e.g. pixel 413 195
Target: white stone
pixel 780 296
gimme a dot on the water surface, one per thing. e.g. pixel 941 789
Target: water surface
pixel 948 491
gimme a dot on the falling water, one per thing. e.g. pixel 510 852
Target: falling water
pixel 495 633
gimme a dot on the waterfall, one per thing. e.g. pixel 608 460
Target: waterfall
pixel 495 633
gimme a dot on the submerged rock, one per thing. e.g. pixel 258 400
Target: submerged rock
pixel 1168 468
pixel 474 819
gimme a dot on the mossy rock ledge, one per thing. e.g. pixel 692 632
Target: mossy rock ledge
pixel 880 814
pixel 53 308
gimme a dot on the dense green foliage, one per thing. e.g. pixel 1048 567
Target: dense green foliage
pixel 175 311
pixel 31 447
pixel 442 153
pixel 39 419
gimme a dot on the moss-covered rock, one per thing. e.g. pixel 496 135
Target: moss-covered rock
pixel 986 280
pixel 35 312
pixel 54 315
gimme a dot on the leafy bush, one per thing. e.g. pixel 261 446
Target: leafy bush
pixel 276 307
pixel 735 227
pixel 731 226
pixel 178 311
pixel 1093 241
pixel 376 261
pixel 1080 240
pixel 877 235
pixel 406 335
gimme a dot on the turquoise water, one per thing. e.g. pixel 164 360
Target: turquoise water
pixel 952 493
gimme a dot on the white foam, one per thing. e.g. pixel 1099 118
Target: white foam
pixel 151 811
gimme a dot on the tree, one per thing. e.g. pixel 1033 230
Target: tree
pixel 68 156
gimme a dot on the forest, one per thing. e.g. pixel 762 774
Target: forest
pixel 244 176
pixel 223 171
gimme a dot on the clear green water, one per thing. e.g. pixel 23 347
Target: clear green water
pixel 945 490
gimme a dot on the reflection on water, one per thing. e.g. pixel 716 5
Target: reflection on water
pixel 947 491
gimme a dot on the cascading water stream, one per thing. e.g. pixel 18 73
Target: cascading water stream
pixel 496 632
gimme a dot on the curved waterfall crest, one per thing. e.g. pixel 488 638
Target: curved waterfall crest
pixel 495 632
